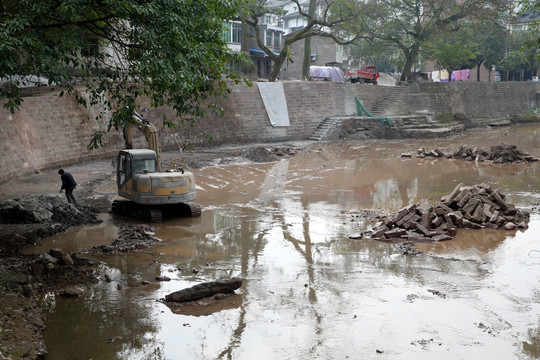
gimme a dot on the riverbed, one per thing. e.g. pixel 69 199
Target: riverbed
pixel 312 289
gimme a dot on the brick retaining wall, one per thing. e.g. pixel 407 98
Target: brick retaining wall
pixel 52 131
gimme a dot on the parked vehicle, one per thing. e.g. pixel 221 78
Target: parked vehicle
pixel 367 74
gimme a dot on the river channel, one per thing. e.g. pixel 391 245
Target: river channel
pixel 310 291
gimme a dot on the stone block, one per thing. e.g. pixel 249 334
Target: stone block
pixel 395 233
pixel 380 231
pixel 478 214
pixel 495 196
pixel 510 210
pixel 423 231
pixel 437 221
pixel 470 206
pixel 441 238
pixel 448 220
pixel 424 220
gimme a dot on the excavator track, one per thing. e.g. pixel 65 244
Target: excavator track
pixel 155 213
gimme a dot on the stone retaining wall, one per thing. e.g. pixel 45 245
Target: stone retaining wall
pixel 52 131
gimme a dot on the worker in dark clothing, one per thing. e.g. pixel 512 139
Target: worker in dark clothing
pixel 68 183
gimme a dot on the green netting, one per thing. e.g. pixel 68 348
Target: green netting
pixel 361 111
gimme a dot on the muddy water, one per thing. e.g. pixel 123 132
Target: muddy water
pixel 311 292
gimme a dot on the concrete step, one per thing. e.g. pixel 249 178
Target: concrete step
pixel 324 128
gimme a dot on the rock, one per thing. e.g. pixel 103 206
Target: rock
pixel 509 226
pixel 356 236
pixel 163 278
pixel 205 290
pixel 68 260
pixel 73 291
pixel 48 259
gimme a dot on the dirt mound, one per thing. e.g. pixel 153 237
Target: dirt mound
pixel 471 207
pixel 261 155
pixel 497 154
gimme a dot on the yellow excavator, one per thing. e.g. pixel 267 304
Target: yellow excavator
pixel 148 192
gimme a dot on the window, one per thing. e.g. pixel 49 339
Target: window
pixel 236 33
pixel 269 38
pixel 124 168
pixel 276 39
pixel 268 19
pixel 227 31
pixel 143 166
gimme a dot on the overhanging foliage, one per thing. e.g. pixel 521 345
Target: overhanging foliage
pixel 170 51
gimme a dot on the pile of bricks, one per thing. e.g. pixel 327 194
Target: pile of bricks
pixel 497 154
pixel 470 207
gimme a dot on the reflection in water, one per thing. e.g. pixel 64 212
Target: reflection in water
pixel 98 326
pixel 78 239
pixel 310 291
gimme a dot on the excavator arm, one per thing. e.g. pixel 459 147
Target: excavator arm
pixel 150 133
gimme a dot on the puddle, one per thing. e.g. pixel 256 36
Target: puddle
pixel 311 292
pixel 79 238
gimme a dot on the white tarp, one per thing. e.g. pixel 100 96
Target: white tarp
pixel 274 100
pixel 331 73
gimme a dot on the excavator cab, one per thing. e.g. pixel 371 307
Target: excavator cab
pixel 152 194
pixel 132 162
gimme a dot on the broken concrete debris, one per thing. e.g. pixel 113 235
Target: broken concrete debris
pixel 497 154
pixel 469 207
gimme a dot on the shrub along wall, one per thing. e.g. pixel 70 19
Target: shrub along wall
pixel 51 131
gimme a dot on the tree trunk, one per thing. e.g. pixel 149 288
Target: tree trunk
pixel 127 133
pixel 277 67
pixel 307 59
pixel 406 72
pixel 248 68
pixel 478 72
pixel 410 57
pixel 204 290
pixel 307 43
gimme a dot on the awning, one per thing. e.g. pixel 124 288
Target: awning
pixel 262 51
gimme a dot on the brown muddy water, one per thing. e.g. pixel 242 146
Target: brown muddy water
pixel 311 292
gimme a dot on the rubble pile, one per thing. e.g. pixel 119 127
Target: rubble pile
pixel 497 154
pixel 470 207
pixel 131 238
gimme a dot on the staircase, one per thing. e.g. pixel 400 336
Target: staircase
pixel 389 101
pixel 324 128
pixel 423 126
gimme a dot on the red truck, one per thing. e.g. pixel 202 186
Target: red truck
pixel 367 74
